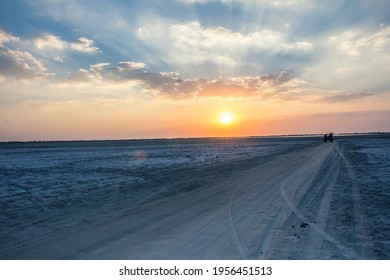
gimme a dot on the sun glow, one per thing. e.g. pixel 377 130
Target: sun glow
pixel 226 118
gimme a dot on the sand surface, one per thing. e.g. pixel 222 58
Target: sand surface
pixel 302 204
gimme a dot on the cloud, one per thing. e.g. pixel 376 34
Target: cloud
pixel 220 40
pixel 129 66
pixel 356 42
pixel 83 76
pixel 17 63
pixel 121 71
pixel 56 49
pixel 279 78
pixel 49 42
pixel 233 53
pixel 211 38
pixel 217 46
pixel 346 97
pixel 171 85
pixel 84 45
pixel 105 72
pixel 353 60
pixel 58 59
pixel 21 64
pixel 275 3
pixel 6 37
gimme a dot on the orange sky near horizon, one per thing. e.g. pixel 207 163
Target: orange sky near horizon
pixel 140 117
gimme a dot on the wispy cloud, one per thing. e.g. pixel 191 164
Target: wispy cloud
pixel 347 97
pixel 84 45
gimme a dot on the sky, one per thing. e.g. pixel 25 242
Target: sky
pixel 81 70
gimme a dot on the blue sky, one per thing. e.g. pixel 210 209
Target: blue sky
pixel 312 52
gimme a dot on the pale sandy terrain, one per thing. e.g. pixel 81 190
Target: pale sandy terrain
pixel 304 204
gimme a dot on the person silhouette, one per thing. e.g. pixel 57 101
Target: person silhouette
pixel 331 137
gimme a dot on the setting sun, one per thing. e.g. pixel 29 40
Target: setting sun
pixel 226 118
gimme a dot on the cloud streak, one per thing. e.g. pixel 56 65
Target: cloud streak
pixel 171 85
pixel 347 97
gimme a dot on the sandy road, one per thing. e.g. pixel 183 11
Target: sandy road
pixel 290 207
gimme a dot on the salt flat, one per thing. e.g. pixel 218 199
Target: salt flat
pixel 302 199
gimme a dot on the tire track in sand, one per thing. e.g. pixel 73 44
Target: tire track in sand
pixel 237 240
pixel 268 195
pixel 300 176
pixel 314 242
pixel 363 239
pixel 321 214
pixel 348 252
pixel 290 185
pixel 260 194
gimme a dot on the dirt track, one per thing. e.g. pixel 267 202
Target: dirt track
pixel 302 205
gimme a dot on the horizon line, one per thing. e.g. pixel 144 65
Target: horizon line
pixel 201 137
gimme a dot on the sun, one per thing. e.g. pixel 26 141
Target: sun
pixel 226 118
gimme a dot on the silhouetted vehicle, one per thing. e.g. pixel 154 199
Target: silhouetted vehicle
pixel 328 137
